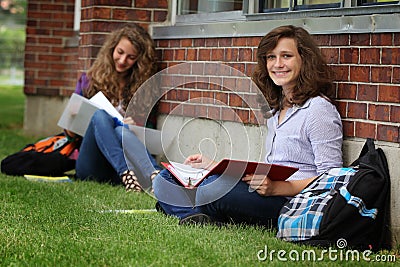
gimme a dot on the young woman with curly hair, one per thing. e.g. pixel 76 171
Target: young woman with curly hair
pixel 125 61
pixel 304 131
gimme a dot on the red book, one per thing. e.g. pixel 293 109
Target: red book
pixel 191 177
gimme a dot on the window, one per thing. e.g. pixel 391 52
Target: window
pixel 284 5
pixel 208 6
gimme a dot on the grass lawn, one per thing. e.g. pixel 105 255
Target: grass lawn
pixel 68 224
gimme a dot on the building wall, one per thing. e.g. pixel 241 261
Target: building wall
pixel 367 68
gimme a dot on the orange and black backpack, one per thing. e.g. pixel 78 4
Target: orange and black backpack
pixel 47 157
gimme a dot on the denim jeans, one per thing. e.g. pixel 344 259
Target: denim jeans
pixel 222 200
pixel 107 150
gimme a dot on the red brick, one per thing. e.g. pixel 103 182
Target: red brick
pixel 367 92
pixel 211 42
pixel 101 13
pixel 360 39
pixel 396 75
pixel 395 114
pixel 186 42
pixel 322 39
pixel 151 3
pixel 231 54
pixel 225 42
pixel 245 54
pixel 162 43
pixel 235 100
pixel 391 56
pixel 201 111
pixel 199 42
pixel 381 74
pixel 388 133
pixel 204 54
pixel 191 55
pixel 160 16
pixel 389 93
pixel 217 54
pixel 341 73
pixel 359 74
pixel 189 110
pixel 396 39
pixel 253 41
pixel 347 91
pixel 228 114
pixel 340 39
pixel 208 97
pixel 131 14
pixel 179 54
pixel 342 108
pixel 331 55
pixel 370 56
pixel 378 112
pixel 176 109
pixel 242 116
pixel 221 98
pixel 214 112
pixel 349 55
pixel 365 130
pixel 174 43
pixel 168 54
pixel 348 128
pixel 239 41
pixel 381 39
pixel 357 110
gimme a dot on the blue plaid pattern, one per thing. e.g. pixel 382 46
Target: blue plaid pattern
pixel 301 217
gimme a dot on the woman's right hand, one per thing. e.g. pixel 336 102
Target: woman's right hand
pixel 200 161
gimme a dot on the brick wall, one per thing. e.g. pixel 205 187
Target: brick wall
pixel 50 60
pixel 367 68
pixel 98 18
pixel 368 79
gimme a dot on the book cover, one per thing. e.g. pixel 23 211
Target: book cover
pixel 191 177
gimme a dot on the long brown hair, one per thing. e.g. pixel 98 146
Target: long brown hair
pixel 102 74
pixel 315 76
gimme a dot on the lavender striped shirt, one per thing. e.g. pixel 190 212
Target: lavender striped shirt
pixel 309 138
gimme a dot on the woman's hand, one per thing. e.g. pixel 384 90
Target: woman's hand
pixel 260 183
pixel 266 187
pixel 200 161
pixel 129 120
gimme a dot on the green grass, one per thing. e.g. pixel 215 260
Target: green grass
pixel 61 224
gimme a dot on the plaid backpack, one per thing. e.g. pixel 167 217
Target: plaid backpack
pixel 347 204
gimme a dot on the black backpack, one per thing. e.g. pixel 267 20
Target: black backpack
pixel 49 157
pixel 345 207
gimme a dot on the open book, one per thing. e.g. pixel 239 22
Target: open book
pixel 79 111
pixel 191 177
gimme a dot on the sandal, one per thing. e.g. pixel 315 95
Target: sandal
pixel 152 176
pixel 130 181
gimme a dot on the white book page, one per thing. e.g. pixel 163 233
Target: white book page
pixel 102 102
pixel 188 174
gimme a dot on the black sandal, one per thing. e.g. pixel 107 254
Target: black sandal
pixel 130 181
pixel 152 176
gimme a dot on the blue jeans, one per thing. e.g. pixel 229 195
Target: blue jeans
pixel 107 150
pixel 236 205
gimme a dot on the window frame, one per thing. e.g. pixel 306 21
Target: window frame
pixel 346 19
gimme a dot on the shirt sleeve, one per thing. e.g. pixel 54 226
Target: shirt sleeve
pixel 326 135
pixel 82 84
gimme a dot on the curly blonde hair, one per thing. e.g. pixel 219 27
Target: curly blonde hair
pixel 315 75
pixel 103 76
